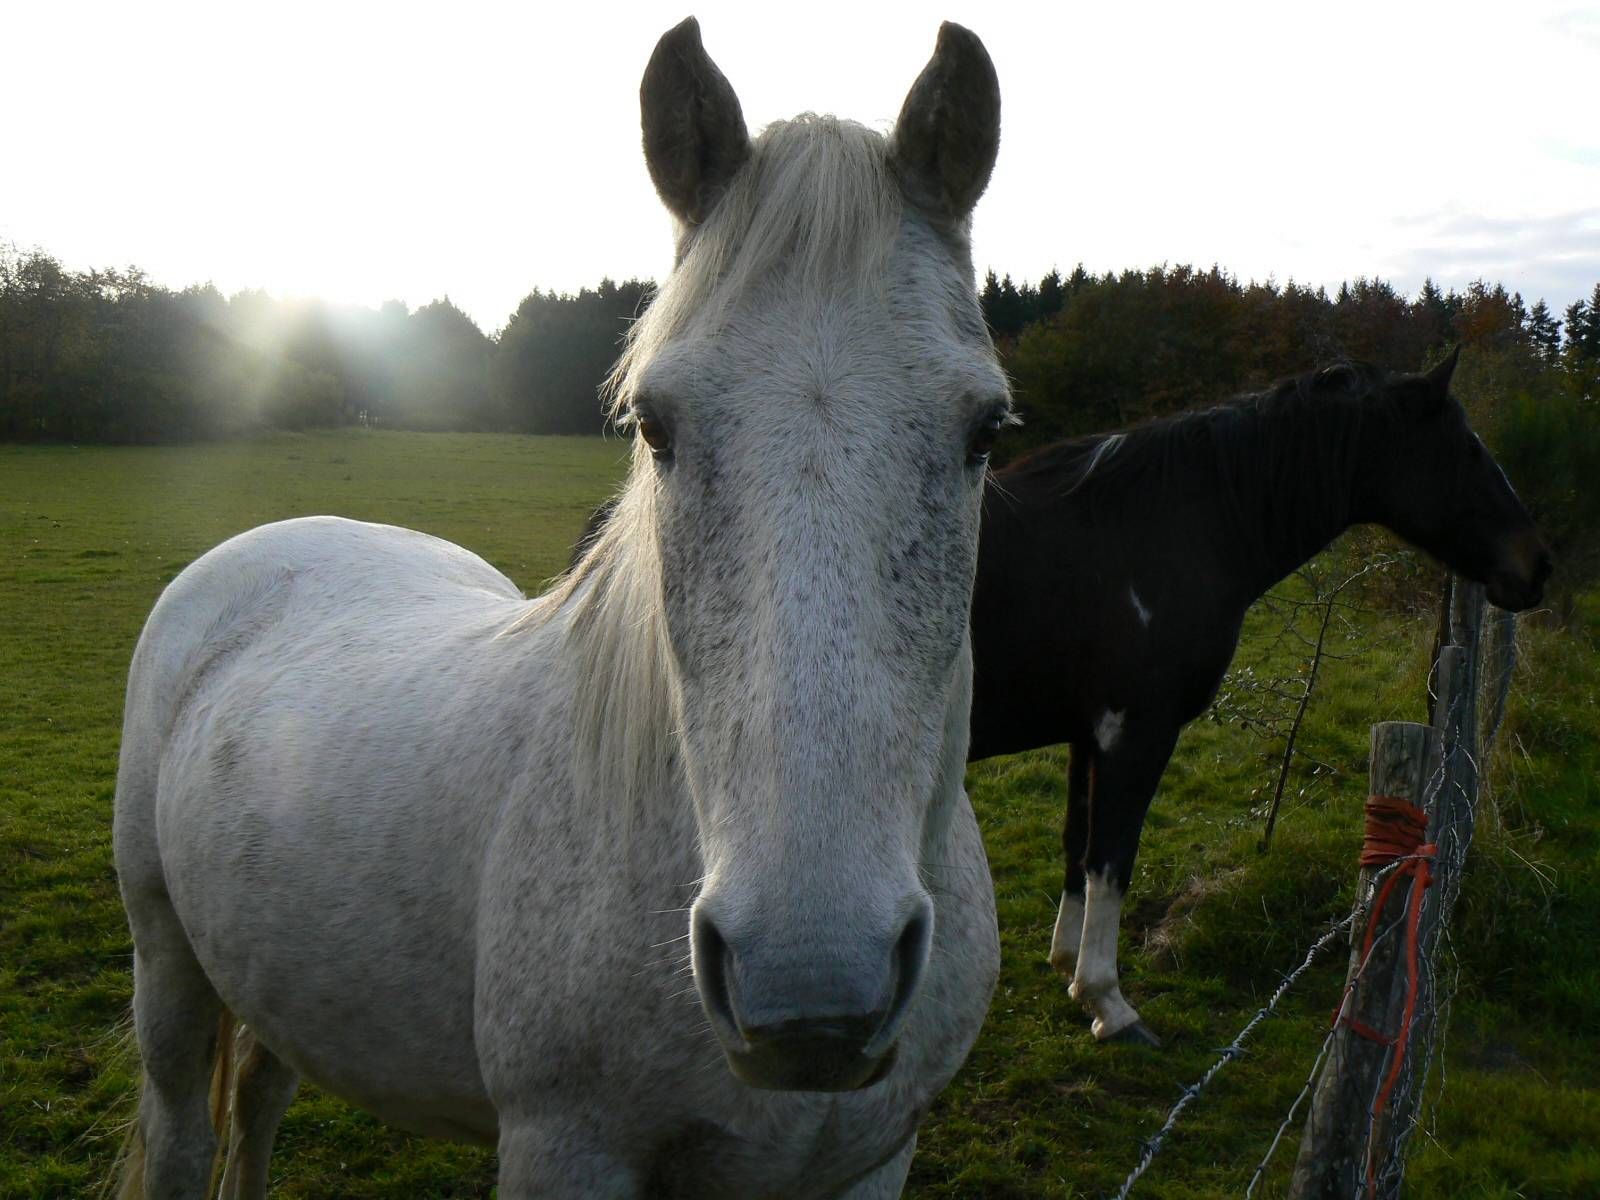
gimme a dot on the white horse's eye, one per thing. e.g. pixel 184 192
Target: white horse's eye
pixel 656 435
pixel 981 441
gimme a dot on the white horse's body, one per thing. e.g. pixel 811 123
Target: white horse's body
pixel 437 846
pixel 470 932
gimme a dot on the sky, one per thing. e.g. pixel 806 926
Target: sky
pixel 366 152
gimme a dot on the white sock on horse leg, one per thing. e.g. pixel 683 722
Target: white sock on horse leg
pixel 1095 981
pixel 1068 935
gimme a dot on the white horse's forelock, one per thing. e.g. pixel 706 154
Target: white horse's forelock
pixel 817 201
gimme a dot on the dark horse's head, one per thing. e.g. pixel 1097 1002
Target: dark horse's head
pixel 1431 480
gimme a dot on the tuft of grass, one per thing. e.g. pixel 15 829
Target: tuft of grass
pixel 89 536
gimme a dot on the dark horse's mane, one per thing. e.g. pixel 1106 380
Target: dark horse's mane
pixel 1262 432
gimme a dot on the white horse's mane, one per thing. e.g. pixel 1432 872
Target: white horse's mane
pixel 817 203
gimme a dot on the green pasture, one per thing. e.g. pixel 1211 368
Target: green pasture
pixel 88 537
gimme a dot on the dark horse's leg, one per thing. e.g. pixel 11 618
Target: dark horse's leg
pixel 1127 768
pixel 1074 845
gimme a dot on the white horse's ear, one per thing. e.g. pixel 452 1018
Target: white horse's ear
pixel 948 133
pixel 694 133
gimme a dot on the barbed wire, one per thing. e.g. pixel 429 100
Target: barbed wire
pixel 1153 1145
pixel 1452 836
pixel 1361 908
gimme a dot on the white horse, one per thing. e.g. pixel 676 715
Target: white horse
pixel 437 846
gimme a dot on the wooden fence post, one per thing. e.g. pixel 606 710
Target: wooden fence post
pixel 1499 664
pixel 1332 1162
pixel 1437 769
pixel 1441 639
pixel 1452 819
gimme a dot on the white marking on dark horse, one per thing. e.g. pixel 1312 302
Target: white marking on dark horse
pixel 434 841
pixel 1103 450
pixel 1139 609
pixel 1108 729
pixel 1095 981
pixel 1068 935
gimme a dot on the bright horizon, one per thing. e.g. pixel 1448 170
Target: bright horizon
pixel 361 153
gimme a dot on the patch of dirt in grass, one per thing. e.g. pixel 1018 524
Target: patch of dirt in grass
pixel 1162 940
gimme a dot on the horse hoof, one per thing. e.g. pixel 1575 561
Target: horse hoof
pixel 1137 1034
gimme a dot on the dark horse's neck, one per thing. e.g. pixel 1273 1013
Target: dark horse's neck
pixel 1288 462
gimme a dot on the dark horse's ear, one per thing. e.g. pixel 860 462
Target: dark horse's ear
pixel 1426 396
pixel 1341 374
pixel 1439 377
pixel 694 134
pixel 948 133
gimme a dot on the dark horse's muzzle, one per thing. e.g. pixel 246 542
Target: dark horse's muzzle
pixel 1520 583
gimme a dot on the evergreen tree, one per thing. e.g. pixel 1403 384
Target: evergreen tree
pixel 989 299
pixel 1370 320
pixel 1581 356
pixel 1544 331
pixel 443 381
pixel 1433 314
pixel 1050 299
pixel 556 351
pixel 1583 329
pixel 1489 317
pixel 1004 307
pixel 1577 317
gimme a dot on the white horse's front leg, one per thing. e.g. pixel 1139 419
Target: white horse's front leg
pixel 551 1161
pixel 885 1182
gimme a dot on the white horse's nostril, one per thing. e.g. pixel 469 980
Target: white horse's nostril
pixel 809 1015
pixel 709 954
pixel 911 952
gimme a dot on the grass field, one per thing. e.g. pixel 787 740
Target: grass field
pixel 89 536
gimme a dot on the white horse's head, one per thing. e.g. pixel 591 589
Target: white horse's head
pixel 814 395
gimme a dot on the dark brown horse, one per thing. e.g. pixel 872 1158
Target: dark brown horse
pixel 1114 572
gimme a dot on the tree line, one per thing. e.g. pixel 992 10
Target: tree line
pixel 111 356
pixel 1087 353
pixel 1090 352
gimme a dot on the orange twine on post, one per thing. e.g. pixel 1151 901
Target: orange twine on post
pixel 1395 829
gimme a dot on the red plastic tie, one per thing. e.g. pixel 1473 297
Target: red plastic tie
pixel 1395 829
